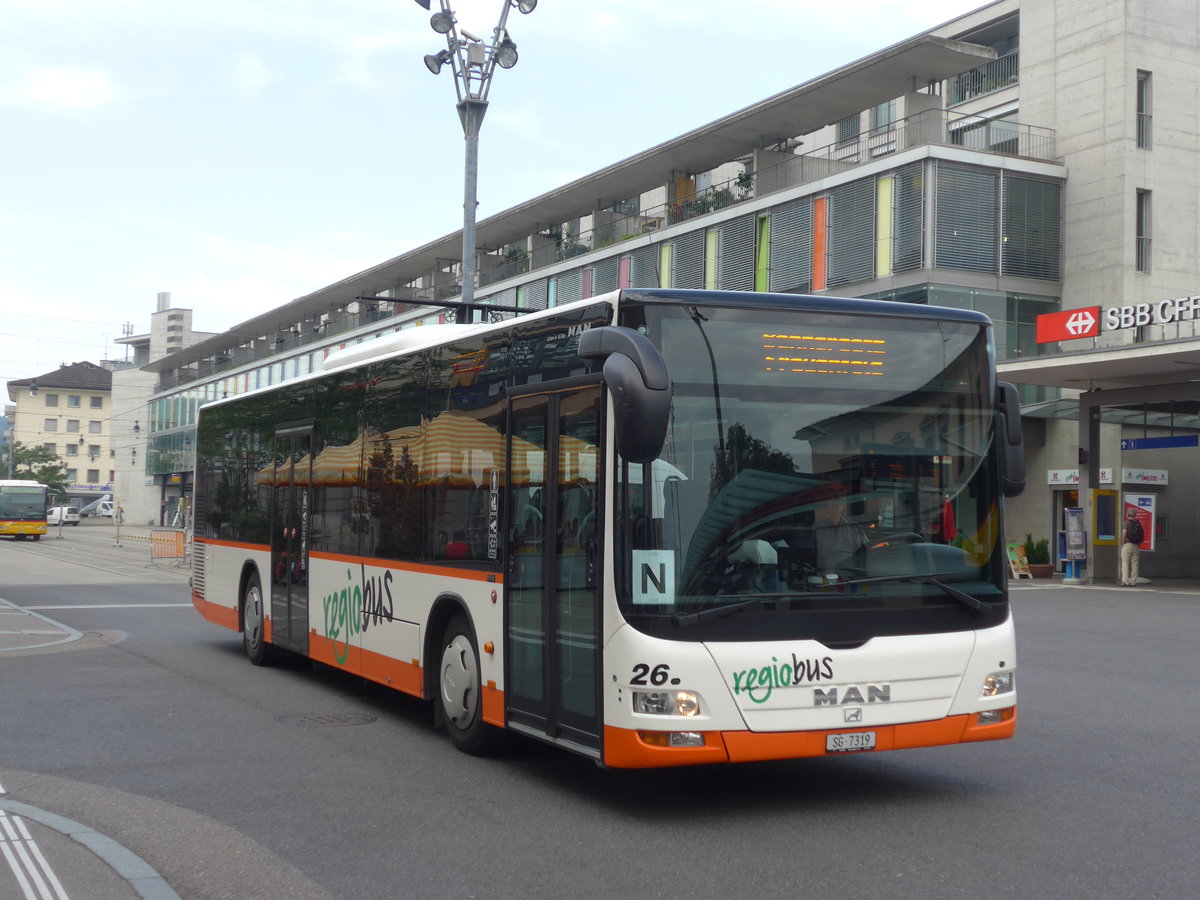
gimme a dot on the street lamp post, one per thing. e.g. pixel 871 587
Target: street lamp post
pixel 473 61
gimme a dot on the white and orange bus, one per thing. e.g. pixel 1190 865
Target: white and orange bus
pixel 656 527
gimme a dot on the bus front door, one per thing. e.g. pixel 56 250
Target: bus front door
pixel 290 540
pixel 552 578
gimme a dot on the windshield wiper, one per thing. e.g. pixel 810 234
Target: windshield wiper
pixel 719 612
pixel 974 604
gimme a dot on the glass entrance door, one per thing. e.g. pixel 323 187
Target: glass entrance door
pixel 552 582
pixel 290 540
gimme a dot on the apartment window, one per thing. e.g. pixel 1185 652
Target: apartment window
pixel 93 450
pixel 847 130
pixel 1142 249
pixel 966 206
pixel 112 475
pixel 1031 227
pixel 72 449
pixel 93 428
pixel 53 448
pixel 50 425
pixel 73 475
pixel 93 476
pixel 883 117
pixel 1144 109
pixel 97 402
pixel 72 425
pixel 52 399
pixel 73 401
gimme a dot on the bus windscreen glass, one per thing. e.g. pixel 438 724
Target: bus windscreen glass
pixel 817 462
pixel 23 503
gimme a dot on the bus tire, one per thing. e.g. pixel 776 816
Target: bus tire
pixel 254 622
pixel 460 693
pixel 37 537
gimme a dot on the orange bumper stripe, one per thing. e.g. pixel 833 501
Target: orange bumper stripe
pixel 624 749
pixel 220 615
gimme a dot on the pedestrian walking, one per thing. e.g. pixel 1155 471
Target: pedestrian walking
pixel 1132 536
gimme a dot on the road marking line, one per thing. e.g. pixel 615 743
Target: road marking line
pixel 116 606
pixel 24 857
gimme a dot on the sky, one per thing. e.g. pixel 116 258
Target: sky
pixel 242 153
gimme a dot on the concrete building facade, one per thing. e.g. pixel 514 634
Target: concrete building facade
pixel 67 411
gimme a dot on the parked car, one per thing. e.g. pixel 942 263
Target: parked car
pixel 65 515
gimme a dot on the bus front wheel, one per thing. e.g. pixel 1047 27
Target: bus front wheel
pixel 460 689
pixel 254 622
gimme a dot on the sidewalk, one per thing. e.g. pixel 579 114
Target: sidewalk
pixel 1157 585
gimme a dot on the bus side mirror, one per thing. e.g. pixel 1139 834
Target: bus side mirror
pixel 1008 405
pixel 637 378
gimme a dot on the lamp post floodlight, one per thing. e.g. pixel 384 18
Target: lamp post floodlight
pixel 473 61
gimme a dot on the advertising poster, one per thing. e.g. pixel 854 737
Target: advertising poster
pixel 1143 504
pixel 1018 564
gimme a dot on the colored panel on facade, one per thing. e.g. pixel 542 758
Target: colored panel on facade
pixel 664 266
pixel 623 273
pixel 762 262
pixel 883 226
pixel 820 224
pixel 710 259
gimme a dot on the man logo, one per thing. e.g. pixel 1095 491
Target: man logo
pixel 876 693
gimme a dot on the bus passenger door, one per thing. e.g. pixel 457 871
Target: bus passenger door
pixel 290 506
pixel 552 590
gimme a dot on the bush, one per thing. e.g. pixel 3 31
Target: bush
pixel 1037 552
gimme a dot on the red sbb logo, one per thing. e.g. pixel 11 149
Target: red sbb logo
pixel 1068 325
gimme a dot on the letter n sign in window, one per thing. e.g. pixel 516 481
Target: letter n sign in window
pixel 653 577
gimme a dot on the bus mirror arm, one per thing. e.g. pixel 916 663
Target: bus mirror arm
pixel 637 378
pixel 1008 403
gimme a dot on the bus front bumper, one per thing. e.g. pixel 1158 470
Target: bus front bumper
pixel 630 749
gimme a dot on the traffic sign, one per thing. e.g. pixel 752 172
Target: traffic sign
pixel 1068 325
pixel 1160 443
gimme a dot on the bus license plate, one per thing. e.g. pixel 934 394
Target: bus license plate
pixel 853 740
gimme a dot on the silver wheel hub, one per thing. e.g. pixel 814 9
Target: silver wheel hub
pixel 459 682
pixel 254 616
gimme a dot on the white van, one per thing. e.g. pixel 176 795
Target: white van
pixel 65 515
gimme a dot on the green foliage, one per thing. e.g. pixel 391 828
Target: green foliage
pixel 39 464
pixel 742 451
pixel 1037 552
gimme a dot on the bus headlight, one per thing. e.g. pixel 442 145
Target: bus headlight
pixel 999 683
pixel 667 703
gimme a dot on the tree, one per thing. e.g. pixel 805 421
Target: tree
pixel 41 465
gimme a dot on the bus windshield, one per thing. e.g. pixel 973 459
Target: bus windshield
pixel 23 502
pixel 815 461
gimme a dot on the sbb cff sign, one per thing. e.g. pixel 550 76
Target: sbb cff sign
pixel 1068 325
pixel 1081 323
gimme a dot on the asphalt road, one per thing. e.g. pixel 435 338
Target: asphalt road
pixel 159 746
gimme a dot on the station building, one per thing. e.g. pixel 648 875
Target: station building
pixel 1036 161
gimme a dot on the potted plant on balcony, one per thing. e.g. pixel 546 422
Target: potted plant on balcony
pixel 1038 555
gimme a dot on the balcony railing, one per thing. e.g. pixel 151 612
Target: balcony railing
pixel 930 127
pixel 987 79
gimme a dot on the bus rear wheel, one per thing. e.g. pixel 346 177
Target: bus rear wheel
pixel 460 689
pixel 254 622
